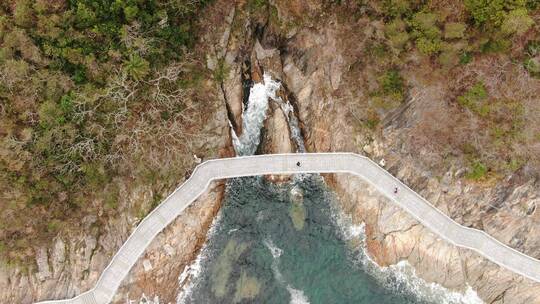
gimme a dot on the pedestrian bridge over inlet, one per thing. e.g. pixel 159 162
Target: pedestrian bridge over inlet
pixel 358 165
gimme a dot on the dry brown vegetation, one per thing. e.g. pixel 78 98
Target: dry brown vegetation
pixel 505 137
pixel 472 100
pixel 93 98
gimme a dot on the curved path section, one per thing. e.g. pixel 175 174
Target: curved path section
pixel 361 166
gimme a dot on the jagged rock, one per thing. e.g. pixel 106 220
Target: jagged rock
pixel 147 265
pixel 42 261
pixel 367 149
pixel 269 59
pixel 157 272
pixel 58 256
pixel 256 72
pixel 276 137
pixel 390 234
pixel 211 62
pixel 314 68
pixel 232 91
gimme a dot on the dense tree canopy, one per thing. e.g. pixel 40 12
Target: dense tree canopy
pixel 73 75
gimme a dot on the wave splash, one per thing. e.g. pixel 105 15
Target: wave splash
pixel 297 296
pixel 254 116
pixel 402 276
pixel 192 272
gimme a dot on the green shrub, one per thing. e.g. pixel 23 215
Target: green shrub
pixel 66 104
pixel 532 4
pixel 533 48
pixel 84 16
pixel 465 57
pixel 496 44
pixel 395 27
pixel 424 22
pixel 486 11
pixel 50 115
pixel 95 174
pixel 399 41
pixel 532 58
pixel 391 82
pixel 396 8
pixel 391 90
pixel 454 30
pixel 474 99
pixel 428 46
pixel 448 58
pixel 427 33
pixel 517 22
pixel 257 4
pixel 136 67
pixel 131 12
pixel 514 164
pixel 17 70
pixel 507 16
pixel 23 13
pixel 396 32
pixel 477 171
pixel 532 65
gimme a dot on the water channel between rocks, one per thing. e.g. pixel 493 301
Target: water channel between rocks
pixel 290 243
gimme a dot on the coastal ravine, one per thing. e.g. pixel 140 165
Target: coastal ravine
pixel 272 246
pixel 287 243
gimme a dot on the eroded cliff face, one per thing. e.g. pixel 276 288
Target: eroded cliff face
pixel 157 272
pixel 74 261
pixel 318 57
pixel 318 73
pixel 319 62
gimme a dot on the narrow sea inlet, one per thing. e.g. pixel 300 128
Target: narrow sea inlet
pixel 282 244
pixel 289 243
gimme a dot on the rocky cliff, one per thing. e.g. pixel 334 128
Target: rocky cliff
pixel 74 261
pixel 323 66
pixel 320 57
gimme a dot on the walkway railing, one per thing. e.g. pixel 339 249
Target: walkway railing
pixel 358 165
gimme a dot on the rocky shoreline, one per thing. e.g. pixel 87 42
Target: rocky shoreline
pixel 315 65
pixel 157 272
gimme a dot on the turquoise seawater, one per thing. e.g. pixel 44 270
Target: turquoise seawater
pixel 282 244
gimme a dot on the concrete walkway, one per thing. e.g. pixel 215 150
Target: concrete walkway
pixel 354 164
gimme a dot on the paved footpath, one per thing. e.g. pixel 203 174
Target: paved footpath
pixel 361 166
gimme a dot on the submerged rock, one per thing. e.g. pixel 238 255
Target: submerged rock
pixel 247 287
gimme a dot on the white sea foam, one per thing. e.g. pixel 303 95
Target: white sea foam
pixel 297 296
pixel 402 277
pixel 255 114
pixel 274 250
pixel 191 273
pixel 276 253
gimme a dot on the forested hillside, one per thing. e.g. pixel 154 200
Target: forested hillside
pixel 93 91
pixel 90 90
